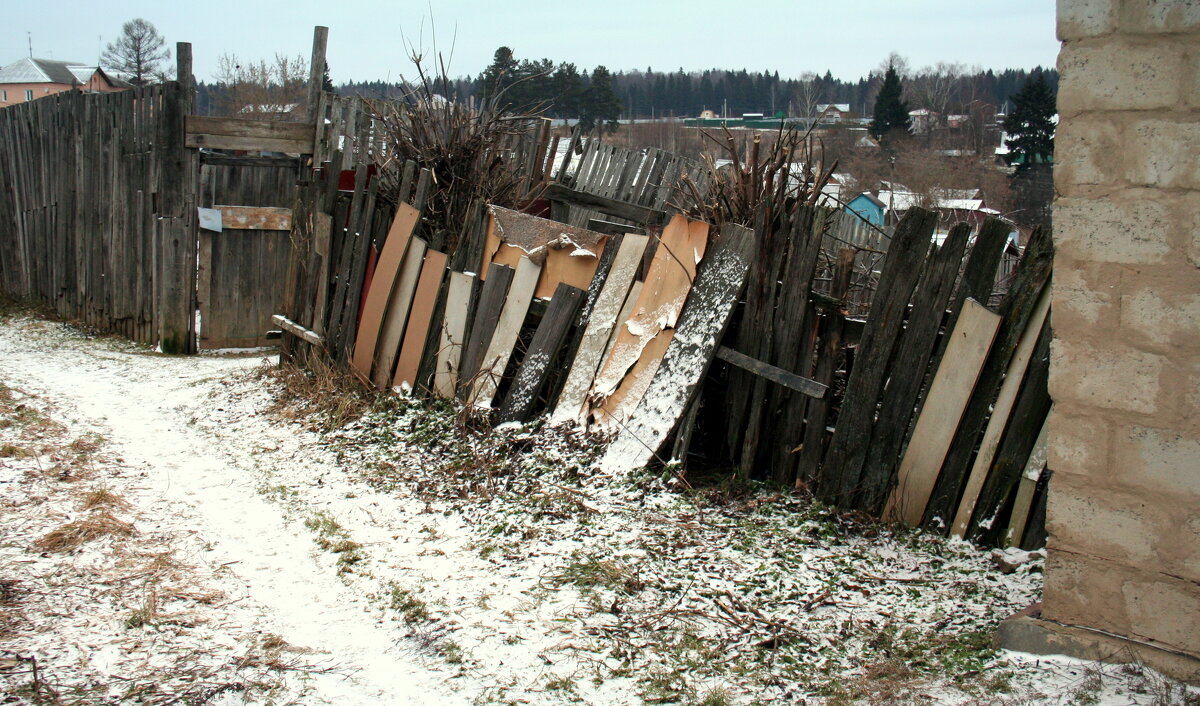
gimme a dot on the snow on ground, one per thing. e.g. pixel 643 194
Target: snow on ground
pixel 407 558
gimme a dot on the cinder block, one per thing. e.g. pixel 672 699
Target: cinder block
pixel 1124 227
pixel 1078 444
pixel 1163 312
pixel 1118 75
pixel 1085 590
pixel 1159 16
pixel 1158 461
pixel 1087 150
pixel 1085 295
pixel 1112 378
pixel 1164 153
pixel 1086 517
pixel 1078 19
pixel 1163 609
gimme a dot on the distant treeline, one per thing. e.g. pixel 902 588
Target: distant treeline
pixel 562 89
pixel 650 93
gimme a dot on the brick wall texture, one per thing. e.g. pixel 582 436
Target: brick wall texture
pixel 1124 504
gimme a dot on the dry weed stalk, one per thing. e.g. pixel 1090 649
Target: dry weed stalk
pixel 786 172
pixel 74 534
pixel 321 395
pixel 102 497
pixel 469 149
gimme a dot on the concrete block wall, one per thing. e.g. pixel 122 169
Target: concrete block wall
pixel 1124 503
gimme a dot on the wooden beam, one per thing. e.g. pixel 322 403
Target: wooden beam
pixel 296 329
pixel 1030 476
pixel 419 319
pixel 316 73
pixel 255 218
pixel 500 349
pixel 249 134
pixel 453 334
pixel 542 352
pixel 610 228
pixel 387 270
pixel 228 160
pixel 792 381
pixel 607 206
pixel 387 346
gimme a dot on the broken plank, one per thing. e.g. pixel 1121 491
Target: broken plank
pixel 395 320
pixel 792 381
pixel 451 341
pixel 948 396
pixel 701 325
pixel 599 329
pixel 296 329
pixel 508 327
pixel 547 340
pixel 380 291
pixel 419 319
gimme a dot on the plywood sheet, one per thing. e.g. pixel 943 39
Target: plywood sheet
pixel 419 319
pixel 640 343
pixel 565 253
pixel 387 270
pixel 600 325
pixel 948 396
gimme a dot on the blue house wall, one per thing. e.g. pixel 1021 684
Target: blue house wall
pixel 866 209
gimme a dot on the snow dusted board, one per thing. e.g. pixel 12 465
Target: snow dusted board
pixel 543 349
pixel 948 396
pixel 1001 411
pixel 599 329
pixel 451 338
pixel 564 253
pixel 698 334
pixel 419 319
pixel 499 350
pixel 380 291
pixel 397 314
pixel 643 338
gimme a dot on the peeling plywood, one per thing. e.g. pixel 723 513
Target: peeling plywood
pixel 566 254
pixel 643 338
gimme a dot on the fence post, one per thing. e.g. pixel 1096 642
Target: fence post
pixel 176 216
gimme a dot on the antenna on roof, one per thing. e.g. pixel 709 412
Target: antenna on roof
pixel 29 36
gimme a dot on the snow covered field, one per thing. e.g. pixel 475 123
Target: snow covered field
pixel 170 537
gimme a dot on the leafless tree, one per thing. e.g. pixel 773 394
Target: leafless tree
pixel 808 95
pixel 262 89
pixel 138 53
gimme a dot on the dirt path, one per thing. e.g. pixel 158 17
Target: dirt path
pixel 178 482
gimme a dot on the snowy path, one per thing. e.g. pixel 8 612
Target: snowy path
pixel 141 404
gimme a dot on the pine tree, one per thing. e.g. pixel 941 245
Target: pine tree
pixel 137 53
pixel 500 75
pixel 600 105
pixel 1030 124
pixel 891 110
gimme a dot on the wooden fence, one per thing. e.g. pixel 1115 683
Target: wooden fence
pixel 95 213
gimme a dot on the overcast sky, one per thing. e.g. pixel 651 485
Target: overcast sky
pixel 367 37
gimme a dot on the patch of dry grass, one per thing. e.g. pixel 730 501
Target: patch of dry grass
pixel 321 397
pixel 102 497
pixel 74 534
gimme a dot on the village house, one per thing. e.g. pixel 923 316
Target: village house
pixel 29 79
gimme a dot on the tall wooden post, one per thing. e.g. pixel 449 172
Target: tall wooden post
pixel 316 71
pixel 177 215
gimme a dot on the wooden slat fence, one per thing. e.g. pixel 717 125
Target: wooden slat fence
pixel 93 189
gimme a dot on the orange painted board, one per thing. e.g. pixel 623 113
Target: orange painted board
pixel 387 269
pixel 420 318
pixel 396 317
pixel 668 282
